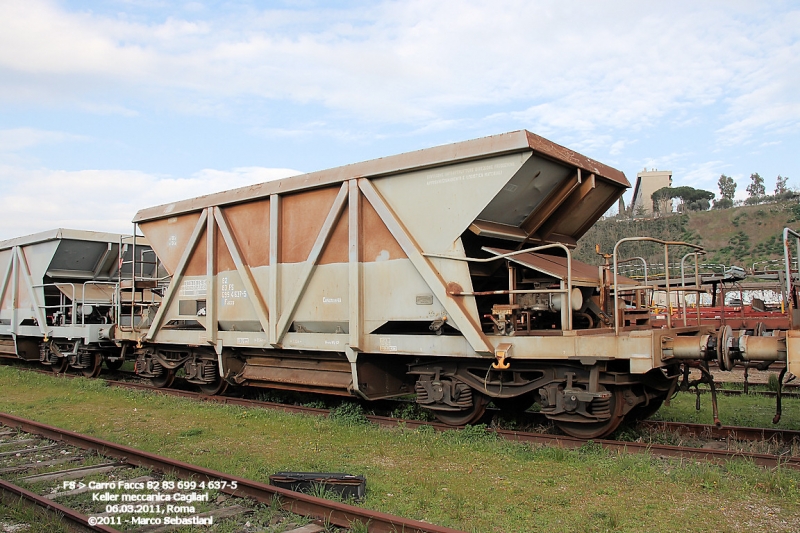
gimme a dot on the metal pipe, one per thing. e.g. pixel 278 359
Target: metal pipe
pixel 133 279
pixel 504 292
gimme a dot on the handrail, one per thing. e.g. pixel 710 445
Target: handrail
pixel 567 290
pixel 644 262
pixel 666 245
pixel 788 265
pixel 83 296
pixel 696 284
pixel 62 305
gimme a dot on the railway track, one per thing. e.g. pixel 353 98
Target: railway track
pixel 703 432
pixel 28 447
pixel 699 431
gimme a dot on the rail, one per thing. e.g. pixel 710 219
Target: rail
pixel 334 512
pixel 771 266
pixel 666 245
pixel 567 289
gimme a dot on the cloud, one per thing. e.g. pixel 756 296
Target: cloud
pixel 559 66
pixel 104 200
pixel 15 140
pixel 703 175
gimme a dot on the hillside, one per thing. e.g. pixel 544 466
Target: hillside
pixel 736 236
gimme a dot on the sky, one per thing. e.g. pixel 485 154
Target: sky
pixel 108 107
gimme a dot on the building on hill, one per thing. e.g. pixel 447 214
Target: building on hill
pixel 648 182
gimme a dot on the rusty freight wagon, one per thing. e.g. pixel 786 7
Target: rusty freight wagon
pixel 444 273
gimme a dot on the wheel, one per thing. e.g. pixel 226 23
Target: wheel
pixel 643 412
pixel 214 388
pixel 94 370
pixel 464 416
pixel 114 365
pixel 59 366
pixel 596 430
pixel 163 380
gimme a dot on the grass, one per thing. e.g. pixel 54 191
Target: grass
pixel 467 480
pixel 17 514
pixel 744 410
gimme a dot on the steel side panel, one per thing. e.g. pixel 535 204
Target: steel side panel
pixel 169 237
pixel 233 301
pixel 390 293
pixel 437 205
pixel 327 297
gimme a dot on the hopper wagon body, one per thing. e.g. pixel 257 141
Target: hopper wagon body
pixel 59 296
pixel 444 272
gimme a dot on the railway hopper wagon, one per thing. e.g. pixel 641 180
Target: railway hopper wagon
pixel 445 273
pixel 60 295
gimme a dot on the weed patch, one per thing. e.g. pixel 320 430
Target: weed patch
pixel 349 413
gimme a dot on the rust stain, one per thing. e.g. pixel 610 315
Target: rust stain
pixel 197 265
pixel 336 251
pixel 169 236
pixel 249 223
pixel 454 287
pixel 224 260
pixel 302 217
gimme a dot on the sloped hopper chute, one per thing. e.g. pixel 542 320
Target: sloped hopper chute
pixel 556 196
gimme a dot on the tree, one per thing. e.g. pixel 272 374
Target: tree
pixel 727 188
pixel 661 200
pixel 691 198
pixel 756 188
pixel 723 203
pixel 780 185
